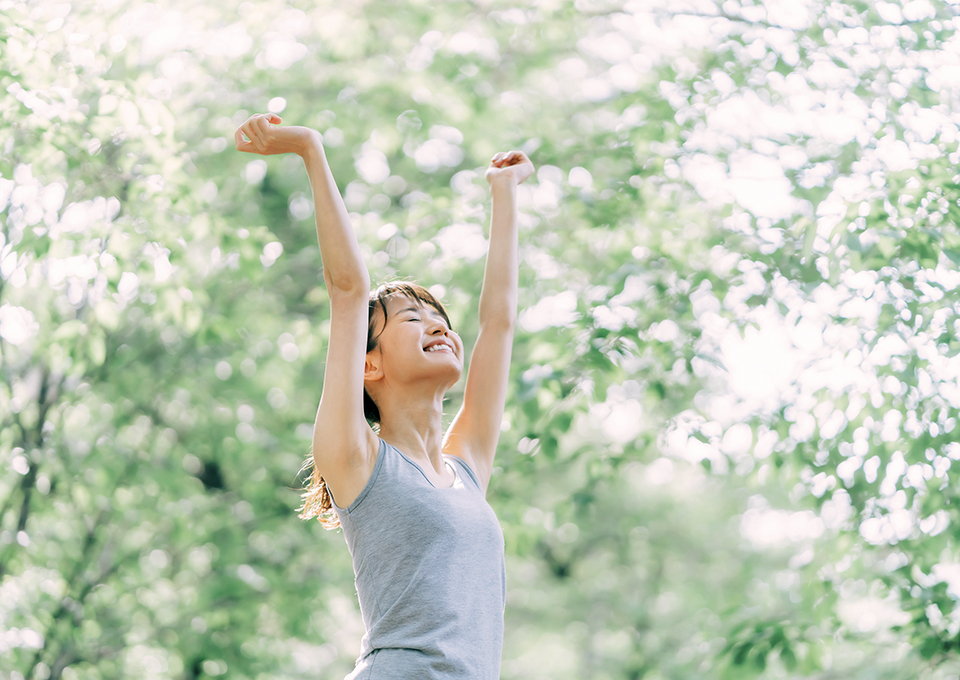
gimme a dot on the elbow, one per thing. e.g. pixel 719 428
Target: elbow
pixel 499 314
pixel 344 286
pixel 501 323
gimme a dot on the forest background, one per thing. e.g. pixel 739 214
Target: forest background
pixel 732 418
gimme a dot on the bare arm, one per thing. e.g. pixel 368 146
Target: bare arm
pixel 343 267
pixel 476 428
pixel 342 440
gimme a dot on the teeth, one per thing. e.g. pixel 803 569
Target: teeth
pixel 437 348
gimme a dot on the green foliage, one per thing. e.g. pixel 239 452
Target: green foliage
pixel 733 401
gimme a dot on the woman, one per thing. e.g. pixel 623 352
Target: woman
pixel 427 549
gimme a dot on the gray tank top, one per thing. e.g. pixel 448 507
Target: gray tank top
pixel 429 573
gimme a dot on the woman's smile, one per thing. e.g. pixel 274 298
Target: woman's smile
pixel 441 345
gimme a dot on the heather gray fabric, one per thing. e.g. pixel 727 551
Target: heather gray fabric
pixel 429 573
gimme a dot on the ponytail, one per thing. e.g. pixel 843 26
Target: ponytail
pixel 317 501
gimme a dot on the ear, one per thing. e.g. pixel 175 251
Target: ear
pixel 372 366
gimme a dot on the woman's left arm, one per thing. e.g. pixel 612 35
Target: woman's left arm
pixel 475 430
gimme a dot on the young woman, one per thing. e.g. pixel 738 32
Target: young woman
pixel 427 548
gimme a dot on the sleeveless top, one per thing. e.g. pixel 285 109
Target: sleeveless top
pixel 429 572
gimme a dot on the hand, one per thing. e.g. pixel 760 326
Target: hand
pixel 509 165
pixel 262 135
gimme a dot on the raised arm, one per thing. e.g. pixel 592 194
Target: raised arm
pixel 343 444
pixel 476 428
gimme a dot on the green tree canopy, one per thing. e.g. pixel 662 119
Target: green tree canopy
pixel 734 396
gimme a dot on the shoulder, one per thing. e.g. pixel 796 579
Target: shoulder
pixel 347 472
pixel 464 466
pixel 455 449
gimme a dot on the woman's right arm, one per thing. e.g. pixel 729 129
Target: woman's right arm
pixel 344 446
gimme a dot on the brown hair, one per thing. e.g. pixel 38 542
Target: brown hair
pixel 316 497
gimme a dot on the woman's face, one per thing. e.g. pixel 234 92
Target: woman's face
pixel 416 344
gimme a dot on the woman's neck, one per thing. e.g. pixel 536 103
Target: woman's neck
pixel 416 428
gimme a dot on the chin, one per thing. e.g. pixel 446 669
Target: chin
pixel 453 375
pixel 448 370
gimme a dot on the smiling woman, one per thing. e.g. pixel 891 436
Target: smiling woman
pixel 427 548
pixel 388 295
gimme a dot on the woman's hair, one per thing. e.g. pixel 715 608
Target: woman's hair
pixel 316 497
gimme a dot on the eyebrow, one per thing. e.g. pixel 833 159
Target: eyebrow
pixel 420 310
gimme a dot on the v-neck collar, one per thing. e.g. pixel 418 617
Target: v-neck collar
pixel 457 482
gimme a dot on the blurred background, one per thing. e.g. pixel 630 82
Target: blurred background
pixel 732 417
